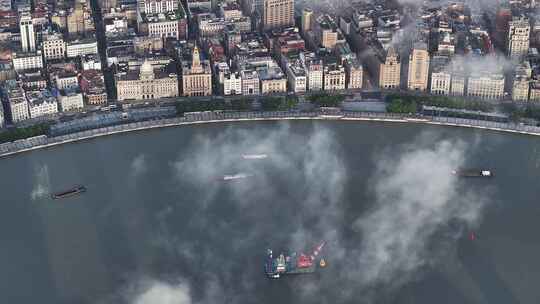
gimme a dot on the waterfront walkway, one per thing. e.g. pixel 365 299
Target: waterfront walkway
pixel 215 117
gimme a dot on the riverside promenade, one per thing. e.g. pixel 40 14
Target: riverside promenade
pixel 44 141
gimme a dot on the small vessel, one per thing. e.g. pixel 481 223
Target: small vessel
pixel 473 173
pixel 293 263
pixel 68 193
pixel 236 176
pixel 254 156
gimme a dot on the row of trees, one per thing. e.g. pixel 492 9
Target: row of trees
pixel 324 99
pixel 270 103
pixel 22 133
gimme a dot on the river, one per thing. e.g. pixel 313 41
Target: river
pixel 160 225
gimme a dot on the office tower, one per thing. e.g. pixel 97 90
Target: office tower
pixel 278 13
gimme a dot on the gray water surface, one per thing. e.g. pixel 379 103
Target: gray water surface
pixel 158 220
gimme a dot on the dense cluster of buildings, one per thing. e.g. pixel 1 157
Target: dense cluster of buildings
pixel 152 49
pixel 49 60
pixel 450 49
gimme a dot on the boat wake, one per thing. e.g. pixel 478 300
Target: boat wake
pixel 41 187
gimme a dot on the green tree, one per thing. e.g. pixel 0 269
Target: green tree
pixel 22 133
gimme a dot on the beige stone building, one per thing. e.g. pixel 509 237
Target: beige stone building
pixel 147 83
pixel 390 70
pixel 196 76
pixel 54 46
pixel 417 79
pixel 272 79
pixel 520 89
pixel 486 85
pixel 278 13
pixel 457 86
pixel 440 82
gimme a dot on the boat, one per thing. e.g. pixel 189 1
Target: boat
pixel 236 176
pixel 254 156
pixel 473 173
pixel 283 264
pixel 68 193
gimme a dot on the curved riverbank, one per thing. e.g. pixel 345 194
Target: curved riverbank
pixel 41 142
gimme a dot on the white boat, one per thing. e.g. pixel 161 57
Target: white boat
pixel 236 176
pixel 254 156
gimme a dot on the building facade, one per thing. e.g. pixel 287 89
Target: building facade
pixel 250 82
pixel 54 46
pixel 197 76
pixel 334 77
pixel 28 37
pixel 70 100
pixel 232 84
pixel 17 104
pixel 278 13
pixel 147 83
pixel 27 61
pixel 518 37
pixel 486 86
pixel 390 70
pixel 41 103
pixel 81 48
pixel 355 74
pixel 418 68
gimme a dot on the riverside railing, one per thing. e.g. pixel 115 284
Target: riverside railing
pixel 217 116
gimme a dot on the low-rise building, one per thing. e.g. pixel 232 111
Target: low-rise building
pixel 70 100
pixel 166 24
pixel 250 82
pixel 272 80
pixel 93 87
pixel 26 61
pixel 65 79
pixel 314 68
pixel 41 103
pixel 296 74
pixel 485 85
pixel 147 83
pixel 54 46
pixel 355 74
pixel 81 47
pixel 17 104
pixel 334 76
pixel 232 84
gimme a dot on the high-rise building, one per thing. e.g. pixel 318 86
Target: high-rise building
pixel 28 37
pixel 389 70
pixel 75 19
pixel 418 68
pixel 278 13
pixel 306 20
pixel 518 37
pixel 197 76
pixel 440 76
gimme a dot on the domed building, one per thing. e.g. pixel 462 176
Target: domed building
pixel 148 82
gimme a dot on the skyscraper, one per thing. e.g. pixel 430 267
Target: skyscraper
pixel 307 15
pixel 278 13
pixel 389 70
pixel 28 37
pixel 518 37
pixel 418 68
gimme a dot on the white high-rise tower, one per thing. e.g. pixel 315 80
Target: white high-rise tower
pixel 28 37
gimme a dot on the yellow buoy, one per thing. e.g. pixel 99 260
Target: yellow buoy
pixel 322 263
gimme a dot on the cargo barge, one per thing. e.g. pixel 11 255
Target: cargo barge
pixel 68 193
pixel 275 267
pixel 473 173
